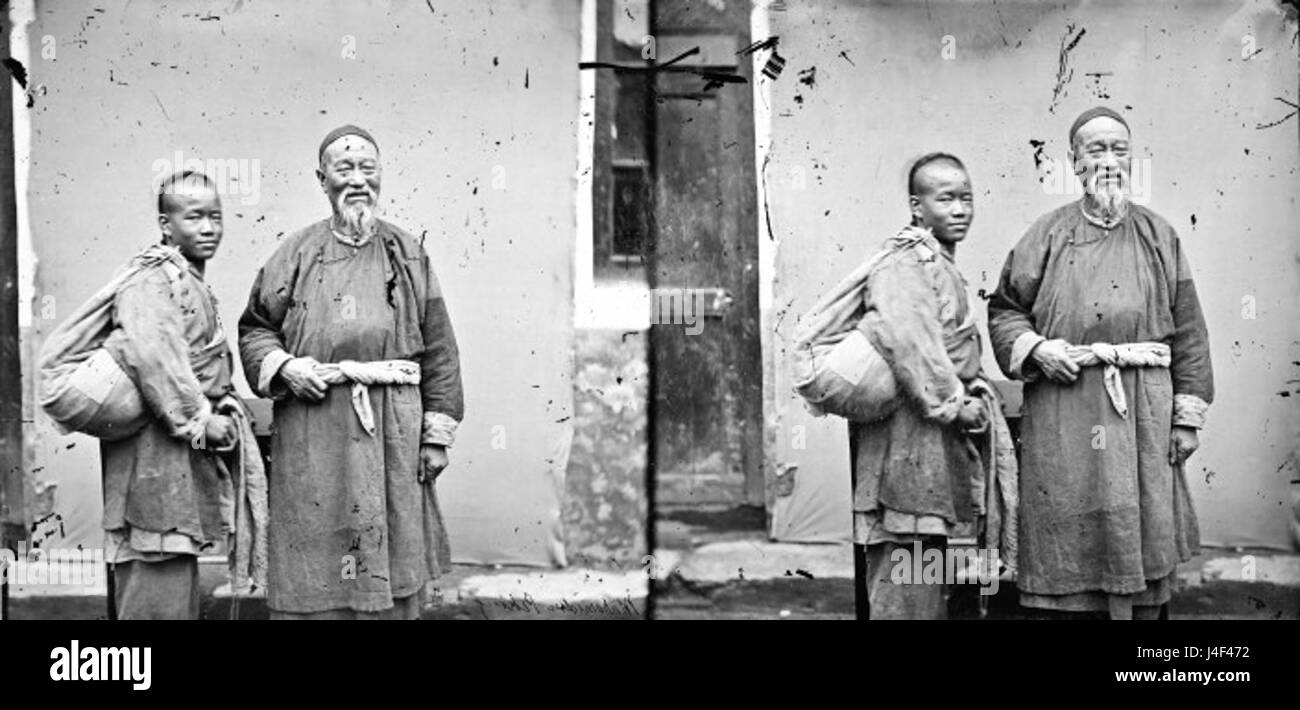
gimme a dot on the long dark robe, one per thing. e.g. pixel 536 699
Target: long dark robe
pixel 350 525
pixel 1102 510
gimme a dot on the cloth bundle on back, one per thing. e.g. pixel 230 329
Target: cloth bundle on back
pixel 81 386
pixel 836 368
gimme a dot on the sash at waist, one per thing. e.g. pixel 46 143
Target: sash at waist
pixel 364 374
pixel 1113 357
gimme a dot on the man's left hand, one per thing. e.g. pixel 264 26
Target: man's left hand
pixel 433 459
pixel 1182 442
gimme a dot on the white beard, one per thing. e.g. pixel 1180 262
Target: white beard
pixel 1110 200
pixel 359 217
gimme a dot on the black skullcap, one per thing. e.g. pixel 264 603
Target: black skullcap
pixel 348 130
pixel 1094 112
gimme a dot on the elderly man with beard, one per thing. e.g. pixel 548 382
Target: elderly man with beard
pixel 352 300
pixel 1097 312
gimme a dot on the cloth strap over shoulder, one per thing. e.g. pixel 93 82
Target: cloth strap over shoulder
pixel 834 313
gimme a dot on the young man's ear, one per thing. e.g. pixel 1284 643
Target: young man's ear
pixel 915 203
pixel 165 224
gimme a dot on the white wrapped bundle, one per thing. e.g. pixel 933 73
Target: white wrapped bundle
pixel 93 396
pixel 845 377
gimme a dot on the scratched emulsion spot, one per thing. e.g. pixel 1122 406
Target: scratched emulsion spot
pixel 17 71
pixel 1064 72
pixel 1040 155
pixel 713 79
pixel 1261 126
pixel 769 43
pixel 1098 89
pixel 808 77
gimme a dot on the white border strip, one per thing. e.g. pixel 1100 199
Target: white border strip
pixel 583 251
pixel 759 29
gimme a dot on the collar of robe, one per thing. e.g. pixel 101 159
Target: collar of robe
pixel 351 240
pixel 1106 224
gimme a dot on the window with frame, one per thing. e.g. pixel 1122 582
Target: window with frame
pixel 622 180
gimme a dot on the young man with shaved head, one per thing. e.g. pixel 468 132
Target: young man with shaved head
pixel 912 471
pixel 347 331
pixel 162 487
pixel 1097 313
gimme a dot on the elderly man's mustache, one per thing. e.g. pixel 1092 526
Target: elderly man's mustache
pixel 349 193
pixel 1111 174
pixel 343 201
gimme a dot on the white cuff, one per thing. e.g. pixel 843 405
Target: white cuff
pixel 1189 411
pixel 271 364
pixel 1020 352
pixel 438 429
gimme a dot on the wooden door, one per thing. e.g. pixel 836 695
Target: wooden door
pixel 707 387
